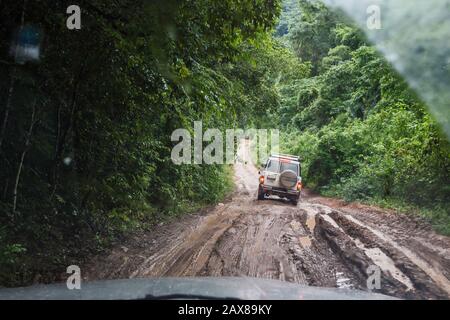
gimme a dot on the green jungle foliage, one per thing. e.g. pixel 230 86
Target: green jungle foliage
pixel 85 133
pixel 85 154
pixel 362 133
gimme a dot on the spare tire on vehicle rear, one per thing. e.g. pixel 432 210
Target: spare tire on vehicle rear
pixel 288 179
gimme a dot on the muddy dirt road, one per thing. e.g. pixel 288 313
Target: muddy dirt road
pixel 320 242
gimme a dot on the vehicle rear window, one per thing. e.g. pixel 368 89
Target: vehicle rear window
pixel 289 166
pixel 273 166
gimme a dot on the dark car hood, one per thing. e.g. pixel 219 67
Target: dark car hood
pixel 220 288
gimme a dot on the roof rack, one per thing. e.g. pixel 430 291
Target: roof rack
pixel 286 156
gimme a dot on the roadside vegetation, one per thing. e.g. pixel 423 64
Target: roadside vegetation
pixel 85 154
pixel 362 133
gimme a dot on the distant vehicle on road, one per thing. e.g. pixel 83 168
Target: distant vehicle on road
pixel 281 176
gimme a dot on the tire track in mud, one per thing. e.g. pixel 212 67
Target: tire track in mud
pixel 425 280
pixel 418 253
pixel 311 244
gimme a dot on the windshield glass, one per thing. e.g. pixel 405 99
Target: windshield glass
pixel 273 166
pixel 289 166
pixel 134 134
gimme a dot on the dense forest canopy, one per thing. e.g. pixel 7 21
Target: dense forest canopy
pixel 413 36
pixel 363 133
pixel 85 133
pixel 88 127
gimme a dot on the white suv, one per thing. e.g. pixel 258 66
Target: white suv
pixel 281 176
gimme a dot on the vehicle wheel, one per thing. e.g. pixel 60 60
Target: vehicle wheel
pixel 260 194
pixel 294 202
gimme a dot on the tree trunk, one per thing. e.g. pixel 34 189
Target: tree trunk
pixel 63 131
pixel 22 156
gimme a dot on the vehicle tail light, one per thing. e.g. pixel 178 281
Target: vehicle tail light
pixel 261 180
pixel 299 186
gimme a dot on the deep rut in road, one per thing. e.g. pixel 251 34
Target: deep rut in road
pixel 320 242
